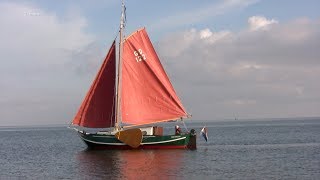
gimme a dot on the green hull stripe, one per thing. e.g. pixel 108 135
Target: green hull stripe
pixel 161 142
pixel 121 144
pixel 118 144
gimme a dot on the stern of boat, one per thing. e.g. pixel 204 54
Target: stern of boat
pixel 192 144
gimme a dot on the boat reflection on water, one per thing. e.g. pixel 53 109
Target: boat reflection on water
pixel 96 164
pixel 130 164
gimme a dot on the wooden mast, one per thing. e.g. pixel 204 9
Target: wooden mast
pixel 118 108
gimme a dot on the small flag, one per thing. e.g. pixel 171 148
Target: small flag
pixel 204 133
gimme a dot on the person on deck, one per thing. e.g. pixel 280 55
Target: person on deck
pixel 177 130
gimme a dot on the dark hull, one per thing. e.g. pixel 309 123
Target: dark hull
pixel 185 141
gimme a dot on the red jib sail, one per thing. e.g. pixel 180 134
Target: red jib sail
pixel 147 94
pixel 98 108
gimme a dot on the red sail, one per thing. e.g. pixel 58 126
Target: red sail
pixel 98 108
pixel 147 94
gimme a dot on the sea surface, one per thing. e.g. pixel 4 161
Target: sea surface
pixel 239 149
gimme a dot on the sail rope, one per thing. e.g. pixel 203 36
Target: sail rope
pixel 184 125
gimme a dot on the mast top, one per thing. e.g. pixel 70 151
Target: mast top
pixel 123 15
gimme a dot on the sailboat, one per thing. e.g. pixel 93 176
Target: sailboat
pixel 129 97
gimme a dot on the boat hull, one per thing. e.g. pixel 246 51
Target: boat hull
pixel 100 141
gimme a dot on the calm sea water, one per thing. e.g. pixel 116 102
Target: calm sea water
pixel 286 149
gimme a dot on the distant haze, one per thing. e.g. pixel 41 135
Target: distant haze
pixel 262 68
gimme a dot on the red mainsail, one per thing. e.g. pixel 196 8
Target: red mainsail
pixel 147 95
pixel 98 108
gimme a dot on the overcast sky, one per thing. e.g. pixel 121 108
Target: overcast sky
pixel 226 58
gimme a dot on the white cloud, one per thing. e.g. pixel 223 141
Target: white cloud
pixel 212 37
pixel 205 33
pixel 36 46
pixel 40 34
pixel 260 22
pixel 248 73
